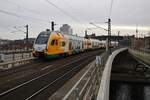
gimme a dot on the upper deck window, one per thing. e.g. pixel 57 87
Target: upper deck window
pixel 54 42
pixel 42 38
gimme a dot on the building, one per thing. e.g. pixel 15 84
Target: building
pixel 66 29
pixel 147 42
pixel 142 43
pixel 139 43
pixel 30 40
pixel 90 36
pixel 3 42
pixel 16 44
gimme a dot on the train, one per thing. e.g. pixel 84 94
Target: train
pixel 52 44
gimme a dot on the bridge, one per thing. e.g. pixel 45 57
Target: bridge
pixel 103 37
pixel 122 40
pixel 93 75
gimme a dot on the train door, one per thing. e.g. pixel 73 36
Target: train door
pixel 70 46
pixel 64 45
pixel 54 44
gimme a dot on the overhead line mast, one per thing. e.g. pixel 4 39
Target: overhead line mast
pixel 109 32
pixel 109 26
pixel 52 25
pixel 27 31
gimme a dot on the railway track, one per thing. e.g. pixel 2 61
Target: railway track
pixel 49 80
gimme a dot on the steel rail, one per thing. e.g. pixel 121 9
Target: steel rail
pixel 27 82
pixel 71 90
pixel 87 82
pixel 45 87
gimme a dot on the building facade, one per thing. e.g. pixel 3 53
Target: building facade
pixel 66 29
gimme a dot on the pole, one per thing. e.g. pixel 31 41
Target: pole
pixel 109 35
pixel 52 25
pixel 118 35
pixel 136 31
pixel 86 33
pixel 109 32
pixel 27 35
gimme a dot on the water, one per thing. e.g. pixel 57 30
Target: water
pixel 129 91
pixel 123 92
pixel 147 93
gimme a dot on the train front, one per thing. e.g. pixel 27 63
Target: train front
pixel 40 44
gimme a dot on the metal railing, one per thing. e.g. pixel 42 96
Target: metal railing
pixel 11 56
pixel 88 85
pixel 141 54
pixel 15 51
pixel 141 50
pixel 11 64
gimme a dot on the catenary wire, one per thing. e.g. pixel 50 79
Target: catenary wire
pixel 28 18
pixel 111 7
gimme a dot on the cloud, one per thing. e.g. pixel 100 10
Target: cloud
pixel 125 14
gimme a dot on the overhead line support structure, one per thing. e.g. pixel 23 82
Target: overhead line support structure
pixel 52 25
pixel 27 32
pixel 109 32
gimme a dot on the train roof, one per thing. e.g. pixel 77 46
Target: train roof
pixel 72 36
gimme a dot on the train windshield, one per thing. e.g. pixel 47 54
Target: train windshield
pixel 42 38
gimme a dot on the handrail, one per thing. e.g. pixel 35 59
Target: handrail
pixel 91 79
pixel 14 56
pixel 8 65
pixel 15 51
pixel 74 87
pixel 143 56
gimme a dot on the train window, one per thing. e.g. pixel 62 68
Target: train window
pixel 70 45
pixel 56 42
pixel 89 43
pixel 42 38
pixel 63 44
pixel 52 42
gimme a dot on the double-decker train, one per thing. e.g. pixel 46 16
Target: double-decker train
pixel 52 44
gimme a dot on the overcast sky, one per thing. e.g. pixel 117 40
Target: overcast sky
pixel 125 15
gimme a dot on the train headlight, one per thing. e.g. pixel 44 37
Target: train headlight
pixel 33 49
